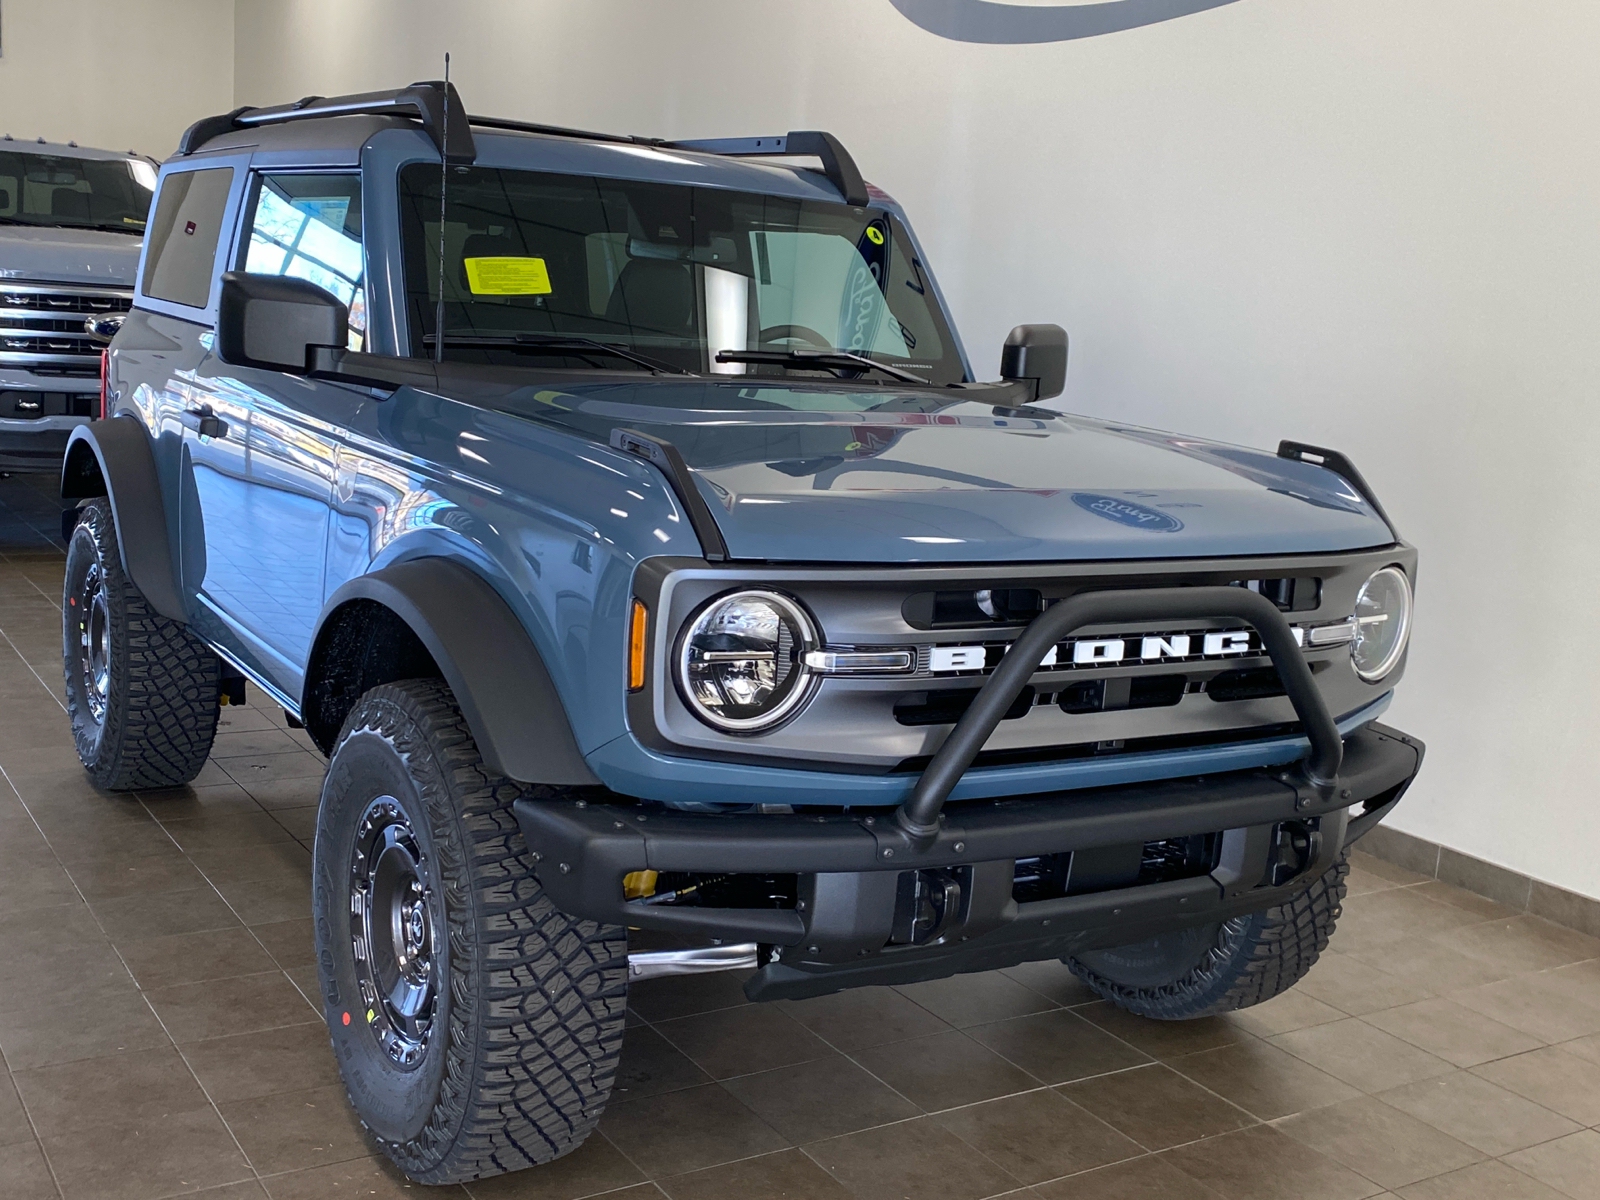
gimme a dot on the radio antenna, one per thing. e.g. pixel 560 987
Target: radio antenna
pixel 444 187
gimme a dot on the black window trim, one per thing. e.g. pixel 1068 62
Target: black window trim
pixel 246 215
pixel 227 238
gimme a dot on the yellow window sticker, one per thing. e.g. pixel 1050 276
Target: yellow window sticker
pixel 874 235
pixel 508 277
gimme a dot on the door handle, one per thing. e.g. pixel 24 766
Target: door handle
pixel 205 422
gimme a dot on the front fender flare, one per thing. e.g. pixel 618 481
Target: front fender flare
pixel 486 656
pixel 113 458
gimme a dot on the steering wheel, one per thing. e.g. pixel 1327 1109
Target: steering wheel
pixel 794 333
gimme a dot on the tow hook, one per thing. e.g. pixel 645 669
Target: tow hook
pixel 927 903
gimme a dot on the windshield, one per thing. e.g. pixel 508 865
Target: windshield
pixel 73 193
pixel 551 270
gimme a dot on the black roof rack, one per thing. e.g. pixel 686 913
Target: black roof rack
pixel 837 164
pixel 427 101
pixel 588 135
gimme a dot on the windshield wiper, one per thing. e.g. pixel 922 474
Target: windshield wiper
pixel 834 360
pixel 551 343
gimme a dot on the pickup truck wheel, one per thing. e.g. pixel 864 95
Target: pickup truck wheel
pixel 141 690
pixel 1217 968
pixel 477 1027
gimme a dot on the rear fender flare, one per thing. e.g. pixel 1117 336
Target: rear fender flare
pixel 485 655
pixel 113 458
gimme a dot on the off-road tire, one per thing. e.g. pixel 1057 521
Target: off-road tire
pixel 525 1033
pixel 151 722
pixel 1239 962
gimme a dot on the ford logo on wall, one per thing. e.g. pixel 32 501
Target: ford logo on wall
pixel 1126 512
pixel 983 21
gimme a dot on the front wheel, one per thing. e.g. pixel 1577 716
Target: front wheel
pixel 141 689
pixel 1212 969
pixel 477 1027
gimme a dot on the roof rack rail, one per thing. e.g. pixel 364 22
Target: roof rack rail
pixel 425 100
pixel 837 164
pixel 589 135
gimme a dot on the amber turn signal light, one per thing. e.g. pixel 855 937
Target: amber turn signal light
pixel 637 624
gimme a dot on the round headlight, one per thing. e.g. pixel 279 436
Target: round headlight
pixel 741 661
pixel 1383 622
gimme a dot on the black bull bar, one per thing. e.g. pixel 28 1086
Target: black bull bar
pixel 850 865
pixel 919 815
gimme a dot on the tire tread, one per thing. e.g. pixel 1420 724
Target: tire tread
pixel 536 1031
pixel 159 732
pixel 1256 957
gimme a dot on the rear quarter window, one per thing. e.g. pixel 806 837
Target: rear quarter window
pixel 184 232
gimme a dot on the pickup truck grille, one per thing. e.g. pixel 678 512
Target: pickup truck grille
pixel 41 326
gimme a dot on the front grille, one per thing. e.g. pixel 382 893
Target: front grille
pixel 20 405
pixel 970 608
pixel 1255 683
pixel 947 706
pixel 1115 688
pixel 41 327
pixel 1024 755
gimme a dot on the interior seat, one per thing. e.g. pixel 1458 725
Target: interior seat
pixel 64 202
pixel 655 296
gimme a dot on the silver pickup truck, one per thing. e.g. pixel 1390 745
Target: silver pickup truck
pixel 71 221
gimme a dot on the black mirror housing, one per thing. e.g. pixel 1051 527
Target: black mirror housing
pixel 1036 355
pixel 275 323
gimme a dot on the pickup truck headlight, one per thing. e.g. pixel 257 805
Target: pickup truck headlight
pixel 741 661
pixel 1383 623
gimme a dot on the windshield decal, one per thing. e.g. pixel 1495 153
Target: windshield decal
pixel 503 275
pixel 861 306
pixel 1021 24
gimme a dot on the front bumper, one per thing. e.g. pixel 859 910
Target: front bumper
pixel 36 444
pixel 850 867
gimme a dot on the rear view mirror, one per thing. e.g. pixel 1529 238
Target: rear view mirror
pixel 1036 355
pixel 274 322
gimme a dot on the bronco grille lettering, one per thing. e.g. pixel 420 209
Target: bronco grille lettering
pixel 1148 648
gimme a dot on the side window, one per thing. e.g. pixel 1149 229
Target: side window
pixel 309 227
pixel 183 236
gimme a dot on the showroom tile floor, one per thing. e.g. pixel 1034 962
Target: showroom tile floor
pixel 159 1037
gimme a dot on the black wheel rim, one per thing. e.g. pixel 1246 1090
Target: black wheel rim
pixel 94 642
pixel 393 932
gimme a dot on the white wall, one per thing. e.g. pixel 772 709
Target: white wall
pixel 1366 224
pixel 116 74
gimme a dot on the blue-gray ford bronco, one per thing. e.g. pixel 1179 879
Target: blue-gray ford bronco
pixel 625 522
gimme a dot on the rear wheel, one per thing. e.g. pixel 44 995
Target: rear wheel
pixel 141 689
pixel 1217 968
pixel 477 1027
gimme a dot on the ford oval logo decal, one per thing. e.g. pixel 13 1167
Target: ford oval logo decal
pixel 1126 512
pixel 1022 24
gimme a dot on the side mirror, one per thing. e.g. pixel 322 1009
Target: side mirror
pixel 1036 355
pixel 274 322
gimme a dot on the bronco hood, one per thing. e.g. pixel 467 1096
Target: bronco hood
pixel 969 482
pixel 52 254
